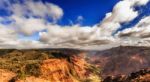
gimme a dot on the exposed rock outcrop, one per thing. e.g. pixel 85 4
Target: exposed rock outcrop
pixel 140 76
pixel 121 60
pixel 46 66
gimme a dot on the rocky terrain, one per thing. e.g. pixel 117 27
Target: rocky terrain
pixel 120 64
pixel 46 65
pixel 121 60
pixel 140 76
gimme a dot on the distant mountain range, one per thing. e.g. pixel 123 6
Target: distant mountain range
pixel 121 60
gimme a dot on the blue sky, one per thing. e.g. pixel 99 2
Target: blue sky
pixel 92 11
pixel 72 22
pixel 143 12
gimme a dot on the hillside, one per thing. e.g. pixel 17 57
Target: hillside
pixel 46 66
pixel 119 64
pixel 140 76
pixel 121 60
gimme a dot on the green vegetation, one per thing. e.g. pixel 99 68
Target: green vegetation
pixel 23 63
pixel 27 63
pixel 95 74
pixel 95 70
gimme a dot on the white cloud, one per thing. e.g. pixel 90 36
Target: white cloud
pixel 28 26
pixel 139 2
pixel 9 34
pixel 75 36
pixel 137 35
pixel 123 12
pixel 30 8
pixel 140 30
pixel 31 24
pixel 97 35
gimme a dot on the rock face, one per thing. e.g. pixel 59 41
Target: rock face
pixel 120 64
pixel 45 66
pixel 61 70
pixel 121 60
pixel 140 76
pixel 6 75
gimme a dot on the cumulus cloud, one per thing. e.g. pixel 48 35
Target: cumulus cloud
pixel 27 18
pixel 123 12
pixel 8 36
pixel 31 8
pixel 30 17
pixel 75 36
pixel 28 26
pixel 137 35
pixel 140 30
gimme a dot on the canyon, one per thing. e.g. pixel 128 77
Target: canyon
pixel 118 64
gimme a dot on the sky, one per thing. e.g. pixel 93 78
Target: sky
pixel 87 24
pixel 92 11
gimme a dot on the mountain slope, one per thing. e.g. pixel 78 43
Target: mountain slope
pixel 140 76
pixel 121 60
pixel 46 65
pixel 119 64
